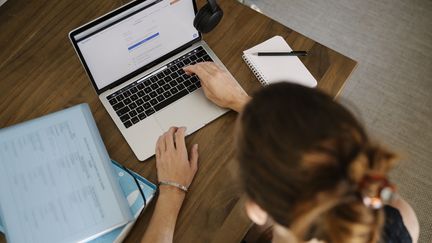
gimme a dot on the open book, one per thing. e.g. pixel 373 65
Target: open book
pixel 58 184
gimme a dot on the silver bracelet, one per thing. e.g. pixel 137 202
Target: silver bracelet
pixel 174 184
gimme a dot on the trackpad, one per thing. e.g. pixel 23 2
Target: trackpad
pixel 193 112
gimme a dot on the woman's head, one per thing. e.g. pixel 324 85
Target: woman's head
pixel 302 158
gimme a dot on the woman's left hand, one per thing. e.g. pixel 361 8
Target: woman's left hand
pixel 172 161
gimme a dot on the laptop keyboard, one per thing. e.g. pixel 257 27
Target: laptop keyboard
pixel 143 98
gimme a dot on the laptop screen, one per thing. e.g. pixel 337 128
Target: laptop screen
pixel 134 38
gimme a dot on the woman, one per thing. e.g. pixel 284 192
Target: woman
pixel 320 177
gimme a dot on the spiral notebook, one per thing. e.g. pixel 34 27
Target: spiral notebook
pixel 273 69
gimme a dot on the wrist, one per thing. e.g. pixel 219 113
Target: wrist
pixel 172 194
pixel 240 102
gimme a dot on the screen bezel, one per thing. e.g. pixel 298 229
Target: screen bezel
pixel 108 16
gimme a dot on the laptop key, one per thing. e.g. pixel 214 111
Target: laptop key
pixel 112 101
pixel 135 120
pixel 149 111
pixel 153 79
pixel 187 83
pixel 133 113
pixel 127 124
pixel 127 101
pixel 140 109
pixel 187 61
pixel 123 111
pixel 153 94
pixel 132 106
pixel 146 98
pixel 140 93
pixel 124 117
pixel 134 97
pixel 161 82
pixel 173 83
pixel 160 98
pixel 191 88
pixel 185 76
pixel 201 53
pixel 166 87
pixel 134 90
pixel 147 82
pixel 160 75
pixel 180 86
pixel 207 58
pixel 194 80
pixel 153 102
pixel 120 98
pixel 167 79
pixel 146 106
pixel 170 100
pixel 118 106
pixel 141 116
pixel 127 93
pixel 140 86
pixel 154 86
pixel 174 75
pixel 167 94
pixel 174 90
pixel 160 90
pixel 139 102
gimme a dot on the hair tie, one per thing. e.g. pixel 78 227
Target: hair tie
pixel 376 191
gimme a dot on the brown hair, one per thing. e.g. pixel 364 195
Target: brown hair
pixel 302 156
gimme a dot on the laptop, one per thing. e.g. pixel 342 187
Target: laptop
pixel 134 57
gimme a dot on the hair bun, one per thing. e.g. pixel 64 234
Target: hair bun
pixel 369 172
pixel 376 191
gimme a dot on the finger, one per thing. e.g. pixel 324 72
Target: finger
pixel 160 144
pixel 157 150
pixel 189 69
pixel 180 138
pixel 199 70
pixel 194 157
pixel 169 138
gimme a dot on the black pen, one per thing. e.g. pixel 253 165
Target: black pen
pixel 289 53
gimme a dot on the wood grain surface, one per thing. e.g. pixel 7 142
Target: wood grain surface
pixel 40 73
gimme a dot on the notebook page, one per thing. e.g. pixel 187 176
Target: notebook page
pixel 54 181
pixel 279 68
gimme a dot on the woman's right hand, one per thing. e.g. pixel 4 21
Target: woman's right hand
pixel 219 86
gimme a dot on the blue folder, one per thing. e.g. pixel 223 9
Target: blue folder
pixel 135 199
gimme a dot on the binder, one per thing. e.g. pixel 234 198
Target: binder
pixel 58 183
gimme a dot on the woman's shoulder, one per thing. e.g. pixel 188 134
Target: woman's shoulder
pixel 394 230
pixel 401 223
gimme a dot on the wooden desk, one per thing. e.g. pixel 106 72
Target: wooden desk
pixel 40 73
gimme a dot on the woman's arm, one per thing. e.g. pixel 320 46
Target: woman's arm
pixel 173 165
pixel 219 86
pixel 163 221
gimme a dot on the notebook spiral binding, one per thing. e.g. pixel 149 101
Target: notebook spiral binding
pixel 261 78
